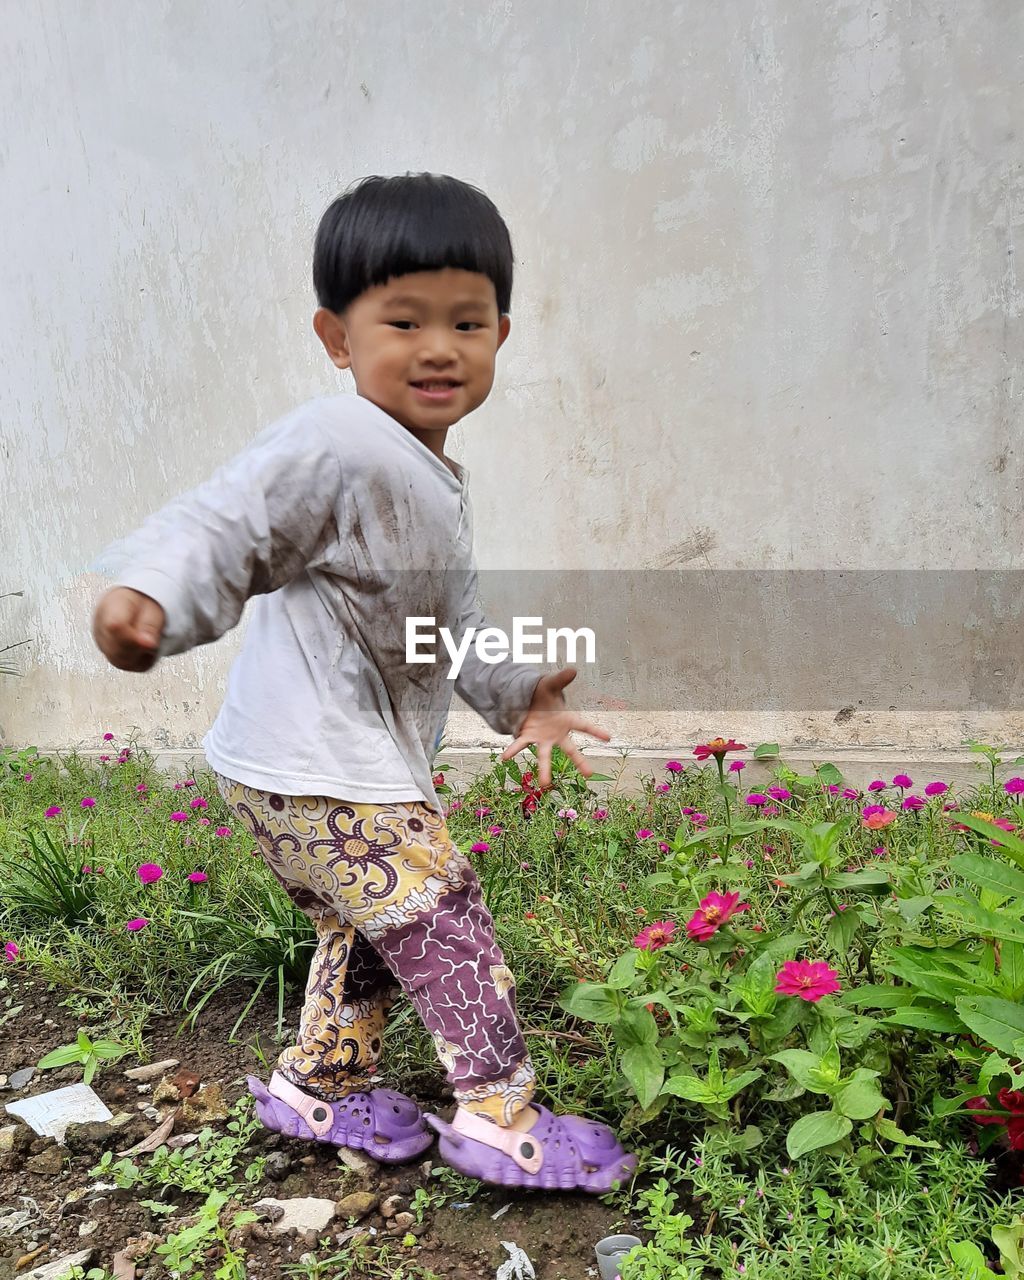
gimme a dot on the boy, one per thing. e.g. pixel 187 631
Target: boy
pixel 346 518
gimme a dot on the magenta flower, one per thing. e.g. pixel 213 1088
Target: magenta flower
pixel 780 793
pixel 913 802
pixel 198 803
pixel 178 786
pixel 482 812
pixel 223 832
pixel 495 830
pixel 600 815
pixel 714 911
pixel 567 815
pixel 737 766
pixel 133 926
pixel 53 811
pixel 688 812
pixel 197 877
pixel 108 737
pixel 902 781
pixel 832 788
pixel 851 794
pixel 1014 786
pixel 644 833
pixel 756 798
pixel 877 785
pixel 662 788
pixel 807 979
pixel 11 952
pixel 150 872
pixel 674 766
pixel 936 789
pixel 104 759
pixel 88 803
pixel 142 788
pixel 700 819
pixel 27 778
pixel 655 936
pixel 189 782
pixel 178 816
pixel 203 822
pixel 481 846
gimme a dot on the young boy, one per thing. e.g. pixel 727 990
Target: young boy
pixel 344 519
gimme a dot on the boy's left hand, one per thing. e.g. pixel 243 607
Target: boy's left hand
pixel 548 724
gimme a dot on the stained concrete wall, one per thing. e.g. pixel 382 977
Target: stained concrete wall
pixel 767 313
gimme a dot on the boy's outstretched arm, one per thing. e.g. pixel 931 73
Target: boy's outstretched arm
pixel 128 627
pixel 548 724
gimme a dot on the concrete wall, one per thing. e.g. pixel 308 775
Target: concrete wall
pixel 767 315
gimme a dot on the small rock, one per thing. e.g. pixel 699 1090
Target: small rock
pixel 186 1082
pixel 72 1200
pixel 54 1270
pixel 19 1079
pixel 357 1162
pixel 151 1113
pixel 49 1022
pixel 166 1092
pixel 392 1205
pixel 357 1205
pixel 50 1161
pixel 404 1220
pixel 153 1071
pixel 277 1166
pixel 80 1137
pixel 300 1215
pixel 307 1162
pixel 205 1107
pixel 143 1088
pixel 87 1228
pixel 7 1138
pixel 3 1082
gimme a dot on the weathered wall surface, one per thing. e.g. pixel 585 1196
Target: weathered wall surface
pixel 767 315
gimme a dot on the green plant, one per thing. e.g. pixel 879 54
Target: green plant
pixel 186 1250
pixel 89 1054
pixel 48 882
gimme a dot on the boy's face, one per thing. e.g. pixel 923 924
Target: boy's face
pixel 421 346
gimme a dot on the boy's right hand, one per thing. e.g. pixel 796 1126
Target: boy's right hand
pixel 127 627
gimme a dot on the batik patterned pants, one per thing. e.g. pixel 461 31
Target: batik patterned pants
pixel 391 898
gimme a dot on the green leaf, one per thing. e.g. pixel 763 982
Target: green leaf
pixel 989 873
pixel 970 1260
pixel 820 1129
pixel 842 930
pixel 891 1131
pixel 734 1084
pixel 829 775
pixel 806 1069
pixel 998 1022
pixel 635 1027
pixel 1010 844
pixel 643 1068
pixel 941 1021
pixel 860 1099
pixel 870 881
pixel 766 750
pixel 692 1088
pixel 872 996
pixel 594 1002
pixel 623 970
pixel 62 1057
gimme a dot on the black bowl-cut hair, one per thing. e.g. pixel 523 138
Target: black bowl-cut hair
pixel 386 227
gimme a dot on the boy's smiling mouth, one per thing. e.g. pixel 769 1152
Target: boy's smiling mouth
pixel 436 389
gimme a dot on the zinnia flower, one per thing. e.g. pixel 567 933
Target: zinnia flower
pixel 717 747
pixel 11 952
pixel 223 832
pixel 902 781
pixel 88 803
pixel 936 789
pixel 674 766
pixel 756 798
pixel 53 811
pixel 481 846
pixel 1014 786
pixel 197 877
pixel 150 872
pixel 133 926
pixel 655 936
pixel 178 816
pixel 714 911
pixel 780 793
pixel 808 979
pixel 913 802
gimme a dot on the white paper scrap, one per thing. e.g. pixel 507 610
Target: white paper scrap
pixel 49 1114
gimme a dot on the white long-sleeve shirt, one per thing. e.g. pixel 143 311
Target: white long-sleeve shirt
pixel 343 525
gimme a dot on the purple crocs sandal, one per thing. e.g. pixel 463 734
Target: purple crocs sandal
pixel 386 1125
pixel 560 1153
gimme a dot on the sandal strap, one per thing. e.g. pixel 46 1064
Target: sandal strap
pixel 317 1113
pixel 521 1147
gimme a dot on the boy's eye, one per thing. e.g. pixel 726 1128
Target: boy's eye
pixel 468 325
pixel 401 324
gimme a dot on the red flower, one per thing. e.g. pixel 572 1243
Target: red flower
pixel 714 911
pixel 655 936
pixel 808 979
pixel 717 747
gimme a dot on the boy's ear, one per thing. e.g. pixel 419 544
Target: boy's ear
pixel 332 332
pixel 504 325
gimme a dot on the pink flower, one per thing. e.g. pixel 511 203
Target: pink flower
pixel 936 789
pixel 178 786
pixel 178 816
pixel 142 788
pixel 482 812
pixel 877 785
pixel 780 793
pixel 53 811
pixel 104 759
pixel 600 815
pixel 807 979
pixel 772 811
pixel 688 812
pixel 88 803
pixel 655 936
pixel 737 766
pixel 567 815
pixel 495 830
pixel 11 952
pixel 902 781
pixel 665 848
pixel 850 794
pixel 1014 786
pixel 481 846
pixel 662 788
pixel 832 788
pixel 150 872
pixel 914 802
pixel 714 911
pixel 198 803
pixel 27 778
pixel 197 877
pixel 133 926
pixel 674 766
pixel 876 816
pixel 644 833
pixel 189 782
pixel 700 819
pixel 223 832
pixel 756 798
pixel 108 737
pixel 880 851
pixel 203 822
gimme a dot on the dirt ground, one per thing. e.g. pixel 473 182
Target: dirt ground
pixel 460 1240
